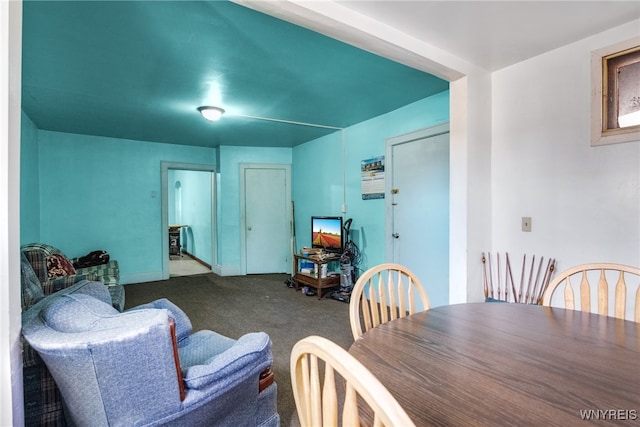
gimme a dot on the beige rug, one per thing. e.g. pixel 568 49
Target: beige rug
pixel 185 266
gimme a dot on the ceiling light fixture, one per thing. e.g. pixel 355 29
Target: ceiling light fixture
pixel 211 113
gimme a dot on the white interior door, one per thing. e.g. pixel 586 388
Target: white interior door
pixel 419 208
pixel 267 232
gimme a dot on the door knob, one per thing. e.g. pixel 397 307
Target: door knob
pixel 249 228
pixel 395 235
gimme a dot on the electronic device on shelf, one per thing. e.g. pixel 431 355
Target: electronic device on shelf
pixel 327 233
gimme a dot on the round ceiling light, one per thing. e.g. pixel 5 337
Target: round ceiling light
pixel 211 113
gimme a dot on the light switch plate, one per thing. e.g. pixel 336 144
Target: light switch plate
pixel 526 223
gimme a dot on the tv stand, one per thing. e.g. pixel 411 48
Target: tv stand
pixel 316 280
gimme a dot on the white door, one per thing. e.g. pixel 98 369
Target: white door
pixel 267 232
pixel 418 207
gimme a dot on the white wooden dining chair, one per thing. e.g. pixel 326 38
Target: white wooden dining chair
pixel 383 293
pixel 318 402
pixel 597 280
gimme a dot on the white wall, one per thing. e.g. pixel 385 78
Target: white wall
pixel 584 201
pixel 470 198
pixel 11 404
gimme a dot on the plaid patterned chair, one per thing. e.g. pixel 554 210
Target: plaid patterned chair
pixel 109 273
pixel 42 404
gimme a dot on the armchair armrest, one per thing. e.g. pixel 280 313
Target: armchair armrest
pixel 50 286
pixel 108 273
pixel 182 323
pixel 245 359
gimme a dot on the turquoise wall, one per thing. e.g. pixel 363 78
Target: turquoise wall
pixel 317 174
pixel 105 193
pixel 228 207
pixel 90 192
pixel 316 181
pixel 29 183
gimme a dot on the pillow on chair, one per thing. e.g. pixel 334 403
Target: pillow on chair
pixel 58 266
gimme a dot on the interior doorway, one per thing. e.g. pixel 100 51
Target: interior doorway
pixel 188 219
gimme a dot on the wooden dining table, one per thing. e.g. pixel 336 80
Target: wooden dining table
pixel 503 364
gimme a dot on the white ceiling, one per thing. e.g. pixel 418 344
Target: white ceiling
pixel 489 34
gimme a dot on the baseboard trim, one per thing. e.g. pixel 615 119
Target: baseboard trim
pixel 151 276
pixel 228 270
pixel 154 276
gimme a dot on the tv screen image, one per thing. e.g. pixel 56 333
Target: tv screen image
pixel 326 233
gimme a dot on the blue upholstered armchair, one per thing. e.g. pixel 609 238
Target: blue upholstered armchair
pixel 145 366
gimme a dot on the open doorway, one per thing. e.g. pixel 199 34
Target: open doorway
pixel 188 219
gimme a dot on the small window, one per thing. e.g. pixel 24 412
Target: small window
pixel 615 100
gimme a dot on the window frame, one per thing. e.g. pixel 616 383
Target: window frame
pixel 600 134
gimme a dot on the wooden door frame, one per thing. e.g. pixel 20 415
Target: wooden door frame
pixel 243 209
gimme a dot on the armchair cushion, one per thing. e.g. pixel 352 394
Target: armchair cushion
pixel 58 266
pixel 200 347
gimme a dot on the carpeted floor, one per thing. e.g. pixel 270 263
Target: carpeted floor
pixel 236 305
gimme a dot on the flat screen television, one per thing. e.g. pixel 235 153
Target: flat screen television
pixel 326 233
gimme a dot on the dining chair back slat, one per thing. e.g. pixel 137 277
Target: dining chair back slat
pixel 603 294
pixel 600 278
pixel 346 381
pixel 383 293
pixel 637 306
pixel 620 300
pixel 585 293
pixel 391 284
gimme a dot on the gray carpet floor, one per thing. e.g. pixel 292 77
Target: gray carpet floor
pixel 236 305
